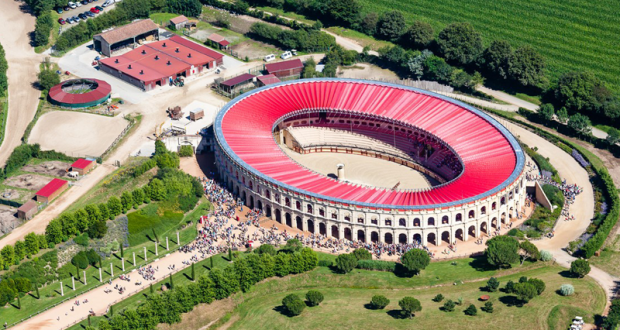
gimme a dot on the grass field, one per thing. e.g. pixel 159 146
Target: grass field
pixel 571 34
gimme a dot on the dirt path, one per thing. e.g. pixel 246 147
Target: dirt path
pixel 519 103
pixel 22 73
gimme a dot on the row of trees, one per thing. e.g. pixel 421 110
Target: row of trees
pixel 218 284
pixel 302 39
pixel 4 66
pixel 413 262
pixel 43 28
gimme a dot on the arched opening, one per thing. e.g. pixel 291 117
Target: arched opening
pixel 309 208
pixel 251 202
pixel 402 238
pixel 388 222
pixel 503 217
pixel 347 234
pixel 459 217
pixel 471 231
pixel 244 198
pixel 494 223
pixel 483 228
pixel 494 206
pixel 268 211
pixel 300 223
pixel 322 229
pixel 402 223
pixel 287 202
pixel 445 220
pixel 374 237
pixel 459 234
pixel 267 194
pixel 431 221
pixel 361 236
pixel 416 222
pixel 278 216
pixel 259 205
pixel 322 212
pixel 417 238
pixel 483 210
pixel 236 191
pixel 431 239
pixel 388 238
pixel 335 233
pixel 347 218
pixel 360 220
pixel 251 185
pixel 289 221
pixel 298 205
pixel 310 226
pixel 445 236
pixel 503 200
pixel 374 221
pixel 472 214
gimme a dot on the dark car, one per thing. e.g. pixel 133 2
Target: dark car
pixel 61 21
pixel 67 8
pixel 59 10
pixel 82 16
pixel 84 2
pixel 90 14
pixel 99 8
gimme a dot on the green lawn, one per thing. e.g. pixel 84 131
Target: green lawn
pixel 361 38
pixel 162 18
pixel 288 14
pixel 571 34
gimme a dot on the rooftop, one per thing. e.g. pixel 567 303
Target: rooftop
pixel 51 187
pixel 81 163
pixel 29 205
pixel 268 79
pixel 284 65
pixel 128 31
pixel 238 79
pixel 178 19
pixel 199 48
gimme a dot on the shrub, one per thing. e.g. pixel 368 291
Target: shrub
pixel 538 284
pixel 525 291
pixel 510 287
pixel 293 304
pixel 379 302
pixel 346 262
pixel 81 240
pixel 438 298
pixel 186 151
pixel 266 249
pixel 415 260
pixel 362 254
pixel 314 297
pixel 580 268
pixel 488 307
pixel 409 306
pixel 567 290
pixel 471 310
pixel 449 305
pixel 92 257
pixel 492 284
pixel 80 260
pixel 546 255
pixel 381 265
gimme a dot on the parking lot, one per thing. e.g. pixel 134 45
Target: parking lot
pixel 83 8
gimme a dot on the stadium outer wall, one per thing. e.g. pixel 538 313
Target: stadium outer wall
pixel 428 225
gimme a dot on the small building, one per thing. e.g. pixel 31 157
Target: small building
pixel 82 166
pixel 268 79
pixel 125 36
pixel 196 114
pixel 217 40
pixel 179 22
pixel 285 68
pixel 233 84
pixel 51 190
pixel 28 210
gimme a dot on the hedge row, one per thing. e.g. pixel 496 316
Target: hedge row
pixel 381 265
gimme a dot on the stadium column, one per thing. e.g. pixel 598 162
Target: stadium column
pixel 340 231
pixel 424 238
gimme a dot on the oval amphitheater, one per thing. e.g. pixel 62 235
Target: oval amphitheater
pixel 455 173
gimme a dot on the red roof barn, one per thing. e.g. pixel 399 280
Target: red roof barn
pixel 51 190
pixel 268 79
pixel 285 68
pixel 82 166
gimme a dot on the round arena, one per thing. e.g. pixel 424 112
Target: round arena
pixel 80 93
pixel 471 167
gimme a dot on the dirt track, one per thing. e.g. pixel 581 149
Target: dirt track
pixel 22 73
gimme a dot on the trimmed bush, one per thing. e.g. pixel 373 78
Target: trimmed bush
pixel 379 302
pixel 471 310
pixel 314 298
pixel 546 255
pixel 346 263
pixel 438 298
pixel 449 305
pixel 380 265
pixel 80 260
pixel 362 254
pixel 580 268
pixel 567 290
pixel 293 304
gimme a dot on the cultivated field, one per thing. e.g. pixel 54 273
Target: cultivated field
pixel 76 133
pixel 571 34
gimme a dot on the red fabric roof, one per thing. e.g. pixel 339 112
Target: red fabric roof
pixel 487 155
pixel 224 43
pixel 285 65
pixel 190 44
pixel 57 94
pixel 268 79
pixel 81 163
pixel 51 187
pixel 180 52
pixel 238 79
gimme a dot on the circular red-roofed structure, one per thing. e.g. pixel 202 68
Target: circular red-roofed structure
pixel 80 93
pixel 478 163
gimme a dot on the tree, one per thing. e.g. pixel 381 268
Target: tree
pixel 527 67
pixel 460 43
pixel 69 225
pixel 342 11
pixel 314 297
pixel 580 268
pixel 379 302
pixel 580 124
pixel 94 214
pixel 103 209
pixel 8 255
pixel 158 190
pixel 126 201
pixel 346 263
pixel 525 291
pixel 471 310
pixel 292 246
pixel 310 258
pixel 32 244
pixel 281 266
pixel 369 23
pixel 546 111
pixel 137 196
pixel 449 306
pixel 538 284
pixel 48 79
pixel 528 251
pixel 293 305
pixel 391 25
pixel 193 272
pixel 362 254
pixel 580 91
pixel 114 207
pixel 189 8
pixel 510 287
pixel 438 298
pixel 567 290
pixel 613 136
pixel 492 284
pixel 419 35
pixel 171 284
pixel 488 307
pixel 81 220
pixel 36 287
pixel 409 306
pixel 415 260
pixel 97 230
pixel 502 251
pixel 496 58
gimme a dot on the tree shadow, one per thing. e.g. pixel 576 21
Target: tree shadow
pixel 566 274
pixel 402 271
pixel 480 264
pixel 280 309
pixel 369 306
pixel 189 278
pixel 396 314
pixel 511 301
pixel 33 296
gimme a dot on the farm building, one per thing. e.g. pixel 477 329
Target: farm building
pixel 28 210
pixel 179 22
pixel 196 114
pixel 125 36
pixel 157 63
pixel 218 57
pixel 268 79
pixel 51 190
pixel 236 83
pixel 285 68
pixel 82 166
pixel 217 40
pixel 80 93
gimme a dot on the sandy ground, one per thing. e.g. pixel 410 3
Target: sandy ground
pixel 366 71
pixel 76 133
pixel 22 73
pixel 28 181
pixel 52 167
pixel 8 219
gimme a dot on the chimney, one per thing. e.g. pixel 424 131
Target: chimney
pixel 340 171
pixel 168 63
pixel 141 71
pixel 177 50
pixel 143 51
pixel 189 55
pixel 156 57
pixel 129 67
pixel 164 44
pixel 116 60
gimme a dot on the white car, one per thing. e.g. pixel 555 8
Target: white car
pixel 79 4
pixel 72 5
pixel 286 55
pixel 269 58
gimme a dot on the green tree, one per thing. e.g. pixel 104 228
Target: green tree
pixel 97 230
pixel 20 250
pixel 527 67
pixel 497 57
pixel 488 307
pixel 460 43
pixel 48 79
pixel 415 260
pixel 409 306
pixel 362 254
pixel 391 25
pixel 438 298
pixel 471 310
pixel 126 201
pixel 43 27
pixel 103 209
pixel 310 258
pixel 492 284
pixel 525 291
pixel 138 196
pixel 32 244
pixel 613 136
pixel 94 214
pixel 581 91
pixel 189 8
pixel 69 225
pixel 580 268
pixel 281 267
pixel 369 23
pixel 342 12
pixel 186 151
pixel 538 284
pixel 53 231
pixel 314 298
pixel 346 263
pixel 580 124
pixel 81 220
pixel 171 283
pixel 562 115
pixel 293 305
pixel 379 302
pixel 8 255
pixel 528 251
pixel 266 248
pixel 292 246
pixel 546 111
pixel 419 35
pixel 449 306
pixel 158 190
pixel 510 287
pixel 502 251
pixel 114 207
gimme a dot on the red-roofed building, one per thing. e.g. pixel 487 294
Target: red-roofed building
pixel 285 68
pixel 51 190
pixel 267 80
pixel 217 56
pixel 218 40
pixel 237 82
pixel 82 166
pixel 179 22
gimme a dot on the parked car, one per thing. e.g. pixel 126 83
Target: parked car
pixel 72 5
pixel 89 14
pixel 84 2
pixel 67 8
pixel 269 58
pixel 294 51
pixel 70 20
pixel 78 4
pixel 59 10
pixel 99 8
pixel 82 16
pixel 106 3
pixel 286 55
pixel 62 21
pixel 94 10
pixel 76 19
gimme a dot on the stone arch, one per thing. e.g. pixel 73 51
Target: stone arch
pixel 278 216
pixel 361 236
pixel 309 208
pixel 322 228
pixel 402 222
pixel 494 223
pixel 459 217
pixel 310 226
pixel 251 206
pixel 236 191
pixel 503 217
pixel 431 221
pixel 471 231
pixel 360 219
pixel 388 238
pixel 471 214
pixel 483 228
pixel 445 220
pixel 417 238
pixel 402 238
pixel 251 185
pixel 300 223
pixel 503 200
pixel 374 237
pixel 431 238
pixel 321 211
pixel 347 217
pixel 259 205
pixel 459 234
pixel 416 222
pixel 298 205
pixel 267 194
pixel 287 202
pixel 348 234
pixel 445 236
pixel 268 211
pixel 335 233
pixel 483 210
pixel 494 206
pixel 289 221
pixel 374 221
